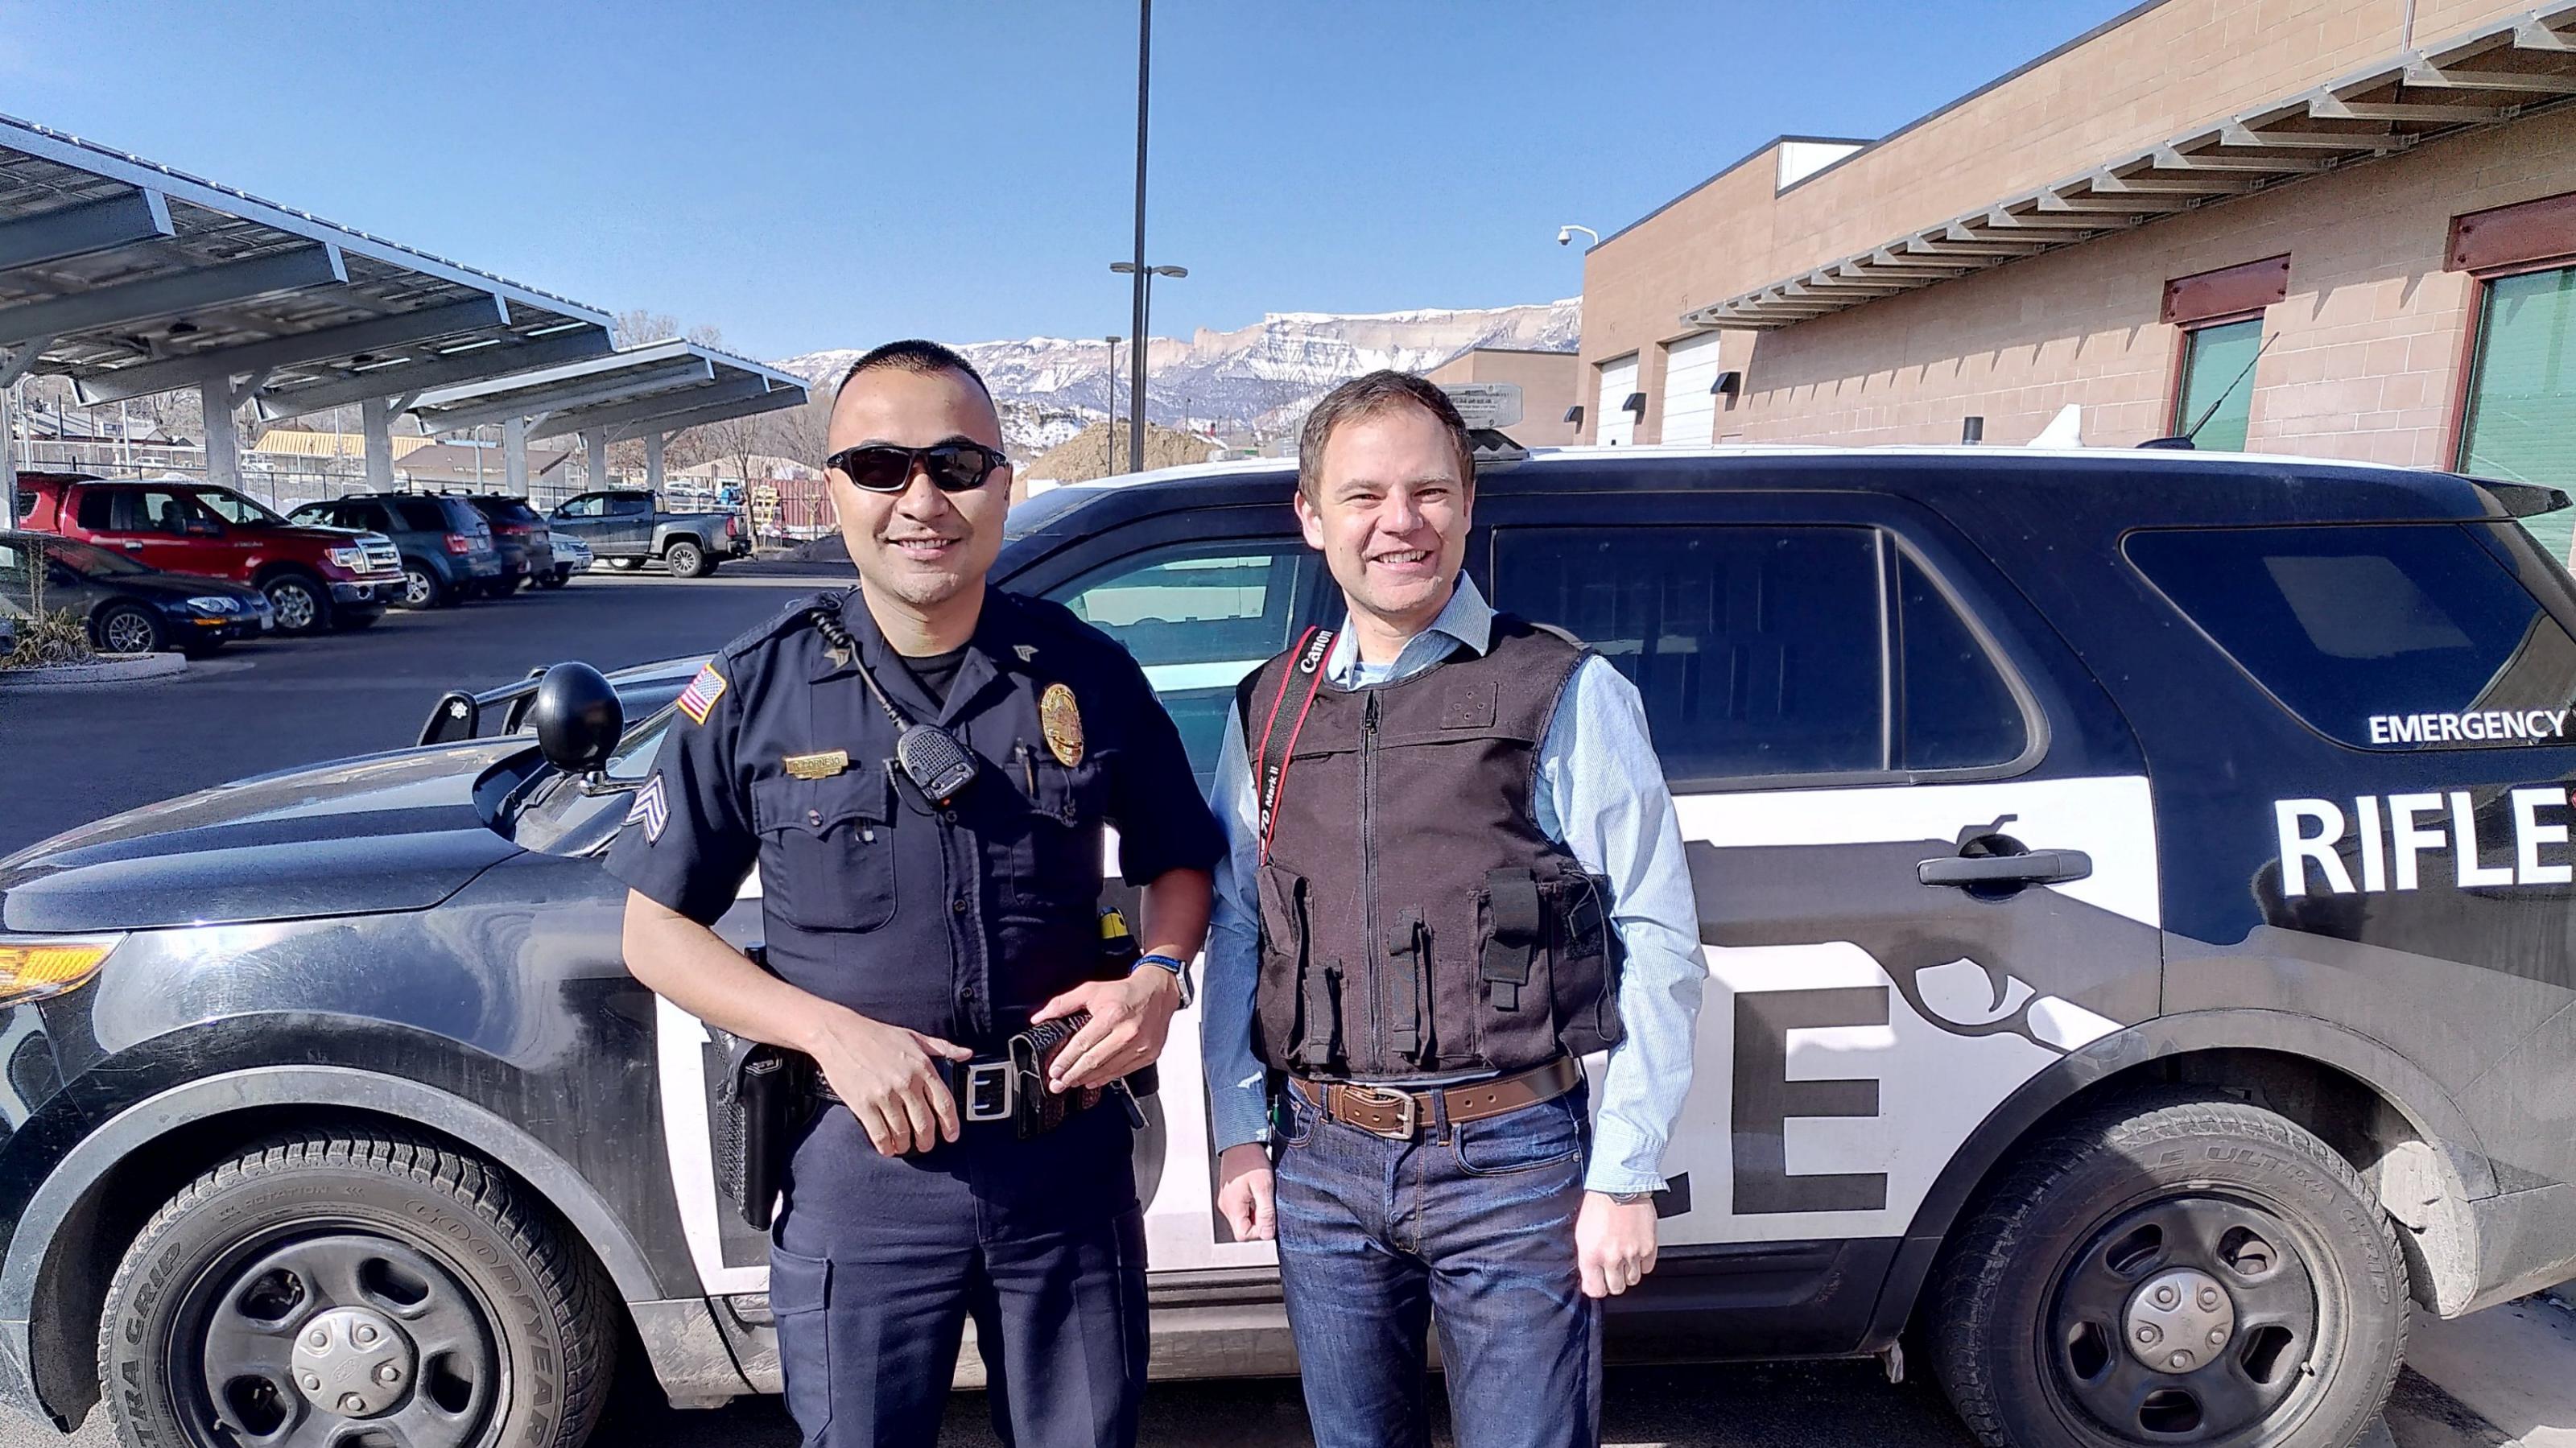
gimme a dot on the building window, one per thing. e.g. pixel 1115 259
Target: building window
pixel 2217 392
pixel 2521 418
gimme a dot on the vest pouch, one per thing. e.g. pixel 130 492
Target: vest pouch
pixel 1517 1022
pixel 1061 861
pixel 1584 968
pixel 1297 998
pixel 826 850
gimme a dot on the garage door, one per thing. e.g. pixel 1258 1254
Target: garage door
pixel 1690 409
pixel 1618 425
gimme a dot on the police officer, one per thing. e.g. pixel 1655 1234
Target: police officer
pixel 920 768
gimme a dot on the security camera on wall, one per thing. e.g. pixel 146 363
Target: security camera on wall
pixel 1565 236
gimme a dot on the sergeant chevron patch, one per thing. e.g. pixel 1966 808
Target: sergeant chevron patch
pixel 652 810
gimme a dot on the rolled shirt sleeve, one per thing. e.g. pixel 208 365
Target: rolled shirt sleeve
pixel 688 842
pixel 1163 825
pixel 1239 1104
pixel 1602 793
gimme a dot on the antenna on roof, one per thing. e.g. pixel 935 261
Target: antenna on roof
pixel 2187 440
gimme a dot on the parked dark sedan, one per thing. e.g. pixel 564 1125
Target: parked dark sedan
pixel 132 608
pixel 520 532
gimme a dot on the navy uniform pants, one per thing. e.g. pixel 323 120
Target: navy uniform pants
pixel 879 1262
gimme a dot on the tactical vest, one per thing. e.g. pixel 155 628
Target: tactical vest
pixel 1413 919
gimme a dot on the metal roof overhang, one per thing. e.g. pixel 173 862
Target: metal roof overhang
pixel 131 279
pixel 658 388
pixel 2482 78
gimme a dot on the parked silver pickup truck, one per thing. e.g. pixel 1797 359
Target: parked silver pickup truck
pixel 625 527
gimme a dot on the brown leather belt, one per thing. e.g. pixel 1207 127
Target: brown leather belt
pixel 1400 1115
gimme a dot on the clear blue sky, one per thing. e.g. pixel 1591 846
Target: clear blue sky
pixel 815 175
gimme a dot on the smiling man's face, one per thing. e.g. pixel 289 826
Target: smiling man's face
pixel 1390 514
pixel 920 548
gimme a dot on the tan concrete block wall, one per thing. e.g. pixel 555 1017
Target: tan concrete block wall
pixel 2179 65
pixel 2371 336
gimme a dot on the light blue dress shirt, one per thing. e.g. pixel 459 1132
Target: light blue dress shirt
pixel 1601 794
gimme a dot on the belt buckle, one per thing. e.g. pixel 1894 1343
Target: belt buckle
pixel 1408 1110
pixel 989 1091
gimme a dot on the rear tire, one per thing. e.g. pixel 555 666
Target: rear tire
pixel 473 1320
pixel 300 603
pixel 423 588
pixel 129 628
pixel 627 564
pixel 2066 1263
pixel 686 560
pixel 555 579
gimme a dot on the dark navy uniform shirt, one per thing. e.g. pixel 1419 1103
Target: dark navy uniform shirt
pixel 956 921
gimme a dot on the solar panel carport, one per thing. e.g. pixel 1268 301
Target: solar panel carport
pixel 131 279
pixel 647 392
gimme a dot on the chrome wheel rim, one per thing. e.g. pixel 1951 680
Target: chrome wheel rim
pixel 294 605
pixel 417 588
pixel 127 632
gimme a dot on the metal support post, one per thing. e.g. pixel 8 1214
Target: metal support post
pixel 653 461
pixel 376 424
pixel 597 442
pixel 8 464
pixel 223 440
pixel 514 457
pixel 1142 340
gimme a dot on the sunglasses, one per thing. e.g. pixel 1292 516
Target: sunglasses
pixel 954 467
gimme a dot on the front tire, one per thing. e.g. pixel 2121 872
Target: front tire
pixel 300 603
pixel 321 1284
pixel 2176 1271
pixel 627 565
pixel 129 628
pixel 686 560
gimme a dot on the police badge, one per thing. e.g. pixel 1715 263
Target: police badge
pixel 1062 721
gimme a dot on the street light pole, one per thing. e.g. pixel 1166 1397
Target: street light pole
pixel 1109 435
pixel 1136 350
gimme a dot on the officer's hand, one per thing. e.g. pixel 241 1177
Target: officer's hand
pixel 1243 1192
pixel 889 1078
pixel 1614 1244
pixel 1129 1019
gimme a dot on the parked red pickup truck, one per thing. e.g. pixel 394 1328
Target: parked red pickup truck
pixel 316 579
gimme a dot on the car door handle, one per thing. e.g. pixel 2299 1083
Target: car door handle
pixel 132 547
pixel 2038 867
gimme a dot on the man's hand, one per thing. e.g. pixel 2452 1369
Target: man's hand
pixel 889 1078
pixel 1614 1244
pixel 1129 1019
pixel 1244 1192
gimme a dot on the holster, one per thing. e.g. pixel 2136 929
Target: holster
pixel 763 1098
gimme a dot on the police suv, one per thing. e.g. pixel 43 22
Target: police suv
pixel 2135 889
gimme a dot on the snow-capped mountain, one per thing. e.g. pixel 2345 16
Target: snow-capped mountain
pixel 1259 379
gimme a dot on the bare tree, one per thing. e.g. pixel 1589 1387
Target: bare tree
pixel 636 326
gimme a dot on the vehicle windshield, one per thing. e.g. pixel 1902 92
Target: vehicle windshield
pixel 92 562
pixel 1048 507
pixel 235 509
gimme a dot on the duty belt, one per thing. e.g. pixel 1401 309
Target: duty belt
pixel 1012 1086
pixel 1400 1115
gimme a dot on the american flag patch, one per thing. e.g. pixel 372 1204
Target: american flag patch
pixel 702 693
pixel 652 810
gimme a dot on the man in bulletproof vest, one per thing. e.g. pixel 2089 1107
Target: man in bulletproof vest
pixel 920 768
pixel 1454 869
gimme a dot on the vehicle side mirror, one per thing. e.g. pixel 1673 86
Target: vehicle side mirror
pixel 577 718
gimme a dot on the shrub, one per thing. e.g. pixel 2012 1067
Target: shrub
pixel 58 637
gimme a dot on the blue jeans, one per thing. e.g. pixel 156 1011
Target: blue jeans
pixel 1468 1228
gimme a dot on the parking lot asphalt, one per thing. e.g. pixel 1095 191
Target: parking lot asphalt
pixel 75 755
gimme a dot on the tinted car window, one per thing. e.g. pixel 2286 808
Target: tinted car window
pixel 421 515
pixel 506 510
pixel 580 508
pixel 1199 617
pixel 234 508
pixel 1758 651
pixel 366 515
pixel 630 507
pixel 1959 713
pixel 2399 636
pixel 97 508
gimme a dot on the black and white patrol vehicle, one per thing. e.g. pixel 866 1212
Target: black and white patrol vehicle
pixel 2135 886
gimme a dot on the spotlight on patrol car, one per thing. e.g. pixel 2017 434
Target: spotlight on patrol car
pixel 577 717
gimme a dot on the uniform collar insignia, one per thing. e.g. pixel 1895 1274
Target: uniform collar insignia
pixel 1027 652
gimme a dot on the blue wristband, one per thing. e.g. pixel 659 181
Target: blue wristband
pixel 1179 968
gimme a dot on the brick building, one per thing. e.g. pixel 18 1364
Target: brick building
pixel 2372 203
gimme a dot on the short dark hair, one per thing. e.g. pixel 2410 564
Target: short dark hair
pixel 912 354
pixel 1368 396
